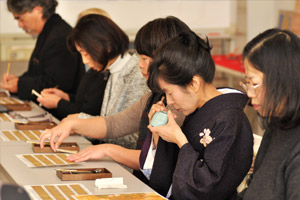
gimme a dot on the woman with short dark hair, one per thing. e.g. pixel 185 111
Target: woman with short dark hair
pixel 114 81
pixel 100 37
pixel 209 156
pixel 272 63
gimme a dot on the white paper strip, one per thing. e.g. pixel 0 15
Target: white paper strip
pixel 110 183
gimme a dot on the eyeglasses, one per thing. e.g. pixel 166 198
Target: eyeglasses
pixel 250 87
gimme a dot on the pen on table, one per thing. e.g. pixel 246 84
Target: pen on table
pixel 66 151
pixel 35 142
pixel 75 171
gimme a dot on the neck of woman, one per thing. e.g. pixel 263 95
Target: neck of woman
pixel 110 62
pixel 208 92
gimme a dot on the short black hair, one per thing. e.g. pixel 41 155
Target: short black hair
pixel 276 53
pixel 100 37
pixel 157 31
pixel 179 59
pixel 22 6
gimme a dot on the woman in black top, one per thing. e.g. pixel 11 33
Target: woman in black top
pixel 272 63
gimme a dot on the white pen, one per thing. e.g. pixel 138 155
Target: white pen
pixel 36 93
pixel 66 151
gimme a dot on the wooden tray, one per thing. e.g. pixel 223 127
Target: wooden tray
pixel 77 176
pixel 18 107
pixel 72 146
pixel 3 94
pixel 35 125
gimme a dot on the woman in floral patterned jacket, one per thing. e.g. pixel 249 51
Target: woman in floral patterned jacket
pixel 208 157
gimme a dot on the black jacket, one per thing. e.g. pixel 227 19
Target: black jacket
pixel 88 98
pixel 51 63
pixel 211 172
pixel 276 173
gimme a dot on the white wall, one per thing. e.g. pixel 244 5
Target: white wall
pixel 263 14
pixel 132 14
pixel 198 14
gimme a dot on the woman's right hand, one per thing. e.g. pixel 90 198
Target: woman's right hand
pixel 72 116
pixel 171 132
pixel 7 77
pixel 59 132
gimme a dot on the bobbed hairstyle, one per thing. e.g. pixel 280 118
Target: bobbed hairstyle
pixel 157 31
pixel 96 11
pixel 179 59
pixel 23 6
pixel 276 53
pixel 100 37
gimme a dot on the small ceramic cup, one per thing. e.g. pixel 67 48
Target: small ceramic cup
pixel 159 119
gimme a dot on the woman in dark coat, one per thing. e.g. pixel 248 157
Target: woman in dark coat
pixel 208 157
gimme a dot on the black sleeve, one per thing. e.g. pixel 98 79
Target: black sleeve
pixel 51 64
pixel 217 174
pixel 88 98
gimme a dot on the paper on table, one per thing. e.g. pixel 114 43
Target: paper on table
pixel 56 191
pixel 110 183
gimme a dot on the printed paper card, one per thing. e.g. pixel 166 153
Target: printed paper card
pixel 4 117
pixel 44 160
pixel 20 135
pixel 56 191
pixel 10 100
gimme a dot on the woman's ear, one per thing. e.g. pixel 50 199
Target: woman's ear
pixel 195 83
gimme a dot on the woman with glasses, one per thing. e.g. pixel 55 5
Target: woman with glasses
pixel 272 63
pixel 208 157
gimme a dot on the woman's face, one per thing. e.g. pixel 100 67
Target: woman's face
pixel 254 80
pixel 144 63
pixel 183 99
pixel 87 59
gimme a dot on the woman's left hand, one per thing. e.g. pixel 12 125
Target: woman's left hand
pixel 170 132
pixel 49 100
pixel 91 152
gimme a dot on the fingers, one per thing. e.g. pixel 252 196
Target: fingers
pixel 48 90
pixel 155 108
pixel 171 117
pixel 45 135
pixel 80 156
pixel 161 102
pixel 4 78
pixel 58 142
pixel 40 99
pixel 151 128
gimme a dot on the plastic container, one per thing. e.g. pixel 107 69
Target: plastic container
pixel 159 119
